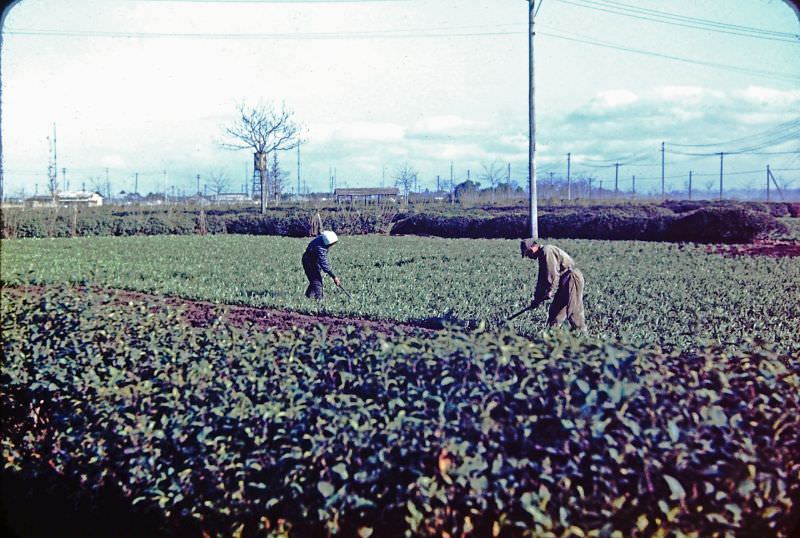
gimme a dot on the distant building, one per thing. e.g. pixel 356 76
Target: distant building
pixel 66 198
pixel 131 198
pixel 198 199
pixel 367 194
pixel 79 198
pixel 232 198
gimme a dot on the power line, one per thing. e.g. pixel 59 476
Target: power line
pixel 618 8
pixel 737 69
pixel 788 127
pixel 386 34
pixel 786 132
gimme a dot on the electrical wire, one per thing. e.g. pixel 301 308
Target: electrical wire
pixel 651 15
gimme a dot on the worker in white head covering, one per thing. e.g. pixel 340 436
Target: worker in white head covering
pixel 315 262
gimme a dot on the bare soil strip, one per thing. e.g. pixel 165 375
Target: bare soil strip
pixel 204 313
pixel 772 248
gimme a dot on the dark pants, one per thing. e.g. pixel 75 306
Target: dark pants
pixel 314 276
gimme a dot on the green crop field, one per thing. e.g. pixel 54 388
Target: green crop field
pixel 638 291
pixel 678 415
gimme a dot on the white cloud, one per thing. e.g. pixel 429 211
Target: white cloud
pixel 359 130
pixel 691 94
pixel 769 96
pixel 613 99
pixel 445 125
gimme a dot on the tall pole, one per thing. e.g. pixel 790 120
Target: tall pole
pixel 720 174
pixel 452 187
pixel 767 183
pixel 633 181
pixel 534 210
pixel 690 184
pixel 298 169
pixel 616 178
pixel 569 180
pixel 662 170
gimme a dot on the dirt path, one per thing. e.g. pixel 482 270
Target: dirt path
pixel 772 248
pixel 203 313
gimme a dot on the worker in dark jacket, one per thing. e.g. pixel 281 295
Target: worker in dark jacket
pixel 315 262
pixel 558 280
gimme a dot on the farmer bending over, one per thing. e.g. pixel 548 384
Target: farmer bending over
pixel 315 261
pixel 558 280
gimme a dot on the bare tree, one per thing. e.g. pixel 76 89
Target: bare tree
pixel 405 179
pixel 492 174
pixel 276 176
pixel 219 182
pixel 264 129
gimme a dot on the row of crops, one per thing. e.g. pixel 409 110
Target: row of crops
pixel 677 416
pixel 676 295
pixel 228 432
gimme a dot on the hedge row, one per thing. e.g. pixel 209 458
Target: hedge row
pixel 706 225
pixel 671 221
pixel 101 221
pixel 227 432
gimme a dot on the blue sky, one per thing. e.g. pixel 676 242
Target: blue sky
pixel 147 86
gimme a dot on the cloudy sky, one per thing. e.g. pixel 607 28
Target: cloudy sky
pixel 146 86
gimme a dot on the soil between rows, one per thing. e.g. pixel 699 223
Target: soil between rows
pixel 204 313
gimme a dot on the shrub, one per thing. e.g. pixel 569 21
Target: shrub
pixel 229 432
pixel 723 225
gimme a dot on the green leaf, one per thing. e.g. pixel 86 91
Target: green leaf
pixel 326 488
pixel 341 470
pixel 677 491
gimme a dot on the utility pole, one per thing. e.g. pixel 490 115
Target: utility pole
pixel 633 181
pixel 298 169
pixel 534 209
pixel 569 179
pixel 55 156
pixel 767 183
pixel 616 178
pixel 136 183
pixel 770 175
pixel 198 183
pixel 662 170
pixel 452 187
pixel 690 184
pixel 165 186
pixel 720 174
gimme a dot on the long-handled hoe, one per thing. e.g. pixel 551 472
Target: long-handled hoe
pixel 344 290
pixel 531 306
